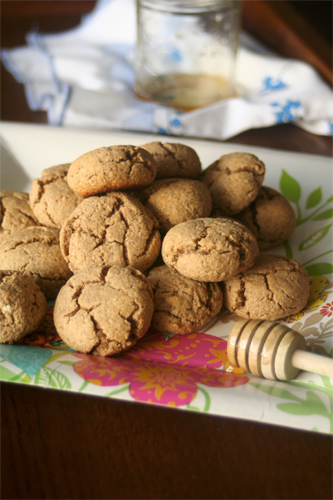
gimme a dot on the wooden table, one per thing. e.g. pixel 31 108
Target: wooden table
pixel 57 445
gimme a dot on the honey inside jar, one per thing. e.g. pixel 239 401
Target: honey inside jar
pixel 186 91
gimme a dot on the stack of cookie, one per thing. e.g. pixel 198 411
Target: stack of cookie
pixel 129 237
pixel 32 266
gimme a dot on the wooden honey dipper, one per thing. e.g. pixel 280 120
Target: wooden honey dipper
pixel 272 350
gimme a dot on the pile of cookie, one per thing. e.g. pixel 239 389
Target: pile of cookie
pixel 129 237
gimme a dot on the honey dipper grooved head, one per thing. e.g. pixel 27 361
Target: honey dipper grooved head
pixel 264 348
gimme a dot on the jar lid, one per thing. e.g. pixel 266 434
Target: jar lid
pixel 188 6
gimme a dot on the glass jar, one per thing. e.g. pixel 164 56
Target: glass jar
pixel 186 51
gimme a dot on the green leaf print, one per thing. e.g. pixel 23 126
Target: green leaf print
pixel 52 378
pixel 311 405
pixel 6 374
pixel 314 238
pixel 317 257
pixel 327 214
pixel 276 391
pixel 61 380
pixel 290 188
pixel 319 269
pixel 297 405
pixel 21 377
pixel 314 198
pixel 288 249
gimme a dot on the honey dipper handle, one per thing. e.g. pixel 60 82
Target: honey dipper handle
pixel 312 362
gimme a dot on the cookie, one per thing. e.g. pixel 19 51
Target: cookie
pixel 51 199
pixel 182 305
pixel 270 217
pixel 113 168
pixel 15 211
pixel 22 306
pixel 209 249
pixel 174 160
pixel 111 229
pixel 35 252
pixel 104 310
pixel 234 181
pixel 173 201
pixel 274 287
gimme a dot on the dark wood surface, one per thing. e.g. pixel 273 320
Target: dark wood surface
pixel 279 25
pixel 57 445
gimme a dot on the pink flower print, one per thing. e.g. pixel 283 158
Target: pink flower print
pixel 194 349
pixel 165 371
pixel 327 309
pixel 149 382
pixel 174 385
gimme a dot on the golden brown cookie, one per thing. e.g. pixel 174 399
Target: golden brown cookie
pixel 182 305
pixel 209 249
pixel 113 168
pixel 22 306
pixel 104 310
pixel 274 287
pixel 270 217
pixel 234 181
pixel 51 199
pixel 111 229
pixel 35 252
pixel 173 201
pixel 15 211
pixel 174 160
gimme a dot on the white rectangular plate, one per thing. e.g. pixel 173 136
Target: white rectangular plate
pixel 188 372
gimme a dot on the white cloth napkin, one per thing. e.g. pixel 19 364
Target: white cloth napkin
pixel 84 77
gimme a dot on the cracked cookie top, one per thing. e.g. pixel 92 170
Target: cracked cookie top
pixel 104 310
pixel 174 160
pixel 51 199
pixel 182 305
pixel 22 306
pixel 173 201
pixel 270 217
pixel 274 287
pixel 209 249
pixel 111 229
pixel 15 211
pixel 35 251
pixel 234 181
pixel 112 168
